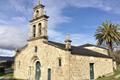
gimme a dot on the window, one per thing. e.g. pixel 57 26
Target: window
pixel 37 13
pixel 49 74
pixel 34 31
pixel 60 62
pixel 39 25
pixel 36 48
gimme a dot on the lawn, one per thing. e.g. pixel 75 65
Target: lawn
pixel 1 75
pixel 8 77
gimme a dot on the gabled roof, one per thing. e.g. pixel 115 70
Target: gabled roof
pixel 76 50
pixel 89 45
pixel 86 52
pixel 79 50
pixel 56 44
pixel 20 49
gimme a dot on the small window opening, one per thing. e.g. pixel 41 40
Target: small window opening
pixel 36 48
pixel 39 28
pixel 37 13
pixel 34 31
pixel 60 62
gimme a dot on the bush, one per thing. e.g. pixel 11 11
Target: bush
pixel 8 64
pixel 117 57
pixel 2 70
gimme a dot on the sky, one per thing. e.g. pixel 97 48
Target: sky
pixel 79 18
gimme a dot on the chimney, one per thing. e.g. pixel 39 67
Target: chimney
pixel 68 42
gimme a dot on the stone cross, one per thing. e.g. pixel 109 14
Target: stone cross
pixel 68 37
pixel 39 2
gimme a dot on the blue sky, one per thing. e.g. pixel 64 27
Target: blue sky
pixel 80 18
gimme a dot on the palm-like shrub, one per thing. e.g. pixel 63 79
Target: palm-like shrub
pixel 109 35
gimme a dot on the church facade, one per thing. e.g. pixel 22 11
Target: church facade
pixel 42 59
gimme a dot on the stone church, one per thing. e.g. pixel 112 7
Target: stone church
pixel 42 59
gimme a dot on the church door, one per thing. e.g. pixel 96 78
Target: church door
pixel 91 71
pixel 38 71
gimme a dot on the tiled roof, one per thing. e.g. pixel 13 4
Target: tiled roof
pixel 79 50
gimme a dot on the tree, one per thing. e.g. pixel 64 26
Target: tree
pixel 117 57
pixel 109 35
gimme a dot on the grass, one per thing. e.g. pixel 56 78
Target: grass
pixel 9 76
pixel 1 74
pixel 116 76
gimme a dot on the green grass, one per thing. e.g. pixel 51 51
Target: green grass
pixel 116 76
pixel 7 75
pixel 1 74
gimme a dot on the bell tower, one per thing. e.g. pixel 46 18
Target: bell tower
pixel 39 23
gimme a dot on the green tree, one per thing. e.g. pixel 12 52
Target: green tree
pixel 117 57
pixel 109 35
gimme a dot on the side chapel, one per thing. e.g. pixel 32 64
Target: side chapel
pixel 42 59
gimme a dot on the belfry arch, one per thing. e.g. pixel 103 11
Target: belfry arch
pixel 40 30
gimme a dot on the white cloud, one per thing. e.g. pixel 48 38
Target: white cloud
pixel 55 9
pixel 4 52
pixel 11 37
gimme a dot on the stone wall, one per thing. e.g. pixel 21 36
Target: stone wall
pixel 80 68
pixel 74 67
pixel 48 56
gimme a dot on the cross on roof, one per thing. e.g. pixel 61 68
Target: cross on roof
pixel 39 2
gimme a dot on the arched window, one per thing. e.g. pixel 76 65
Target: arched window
pixel 34 31
pixel 39 25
